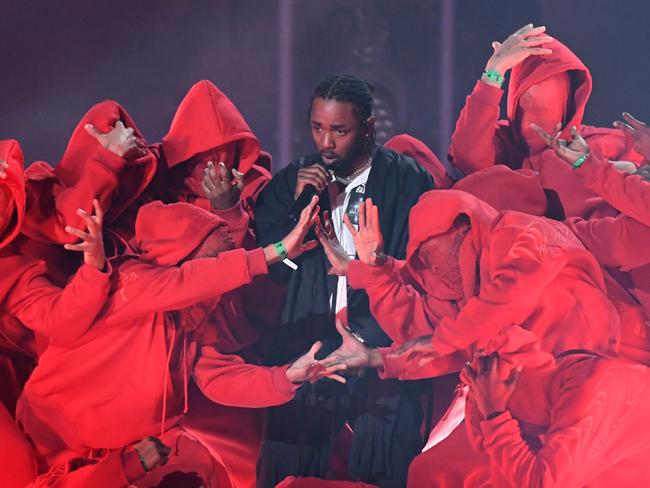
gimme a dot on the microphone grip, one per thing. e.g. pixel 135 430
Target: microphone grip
pixel 301 202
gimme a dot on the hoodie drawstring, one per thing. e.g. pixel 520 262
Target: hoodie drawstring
pixel 165 381
pixel 185 377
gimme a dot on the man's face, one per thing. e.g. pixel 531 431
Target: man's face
pixel 339 136
pixel 545 105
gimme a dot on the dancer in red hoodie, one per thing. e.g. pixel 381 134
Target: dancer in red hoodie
pixel 211 158
pixel 576 420
pixel 142 393
pixel 548 85
pixel 208 128
pixel 33 311
pixel 470 271
pixel 618 242
pixel 106 159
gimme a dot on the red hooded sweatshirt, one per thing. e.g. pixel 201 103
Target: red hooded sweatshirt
pixel 418 150
pixel 514 269
pixel 208 127
pixel 134 364
pixel 28 298
pixel 86 170
pixel 620 244
pixel 580 420
pixel 481 141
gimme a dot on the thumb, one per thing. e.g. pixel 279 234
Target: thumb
pixel 496 45
pixel 313 350
pixel 90 128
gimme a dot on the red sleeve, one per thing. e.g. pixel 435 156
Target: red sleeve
pixel 238 221
pixel 476 142
pixel 61 315
pixel 144 289
pixel 588 419
pixel 107 471
pixel 99 179
pixel 519 267
pixel 629 194
pixel 228 380
pixel 401 368
pixel 618 242
pixel 402 312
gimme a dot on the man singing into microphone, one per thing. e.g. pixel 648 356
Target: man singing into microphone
pixel 347 168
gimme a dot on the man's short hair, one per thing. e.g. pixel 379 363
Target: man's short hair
pixel 348 88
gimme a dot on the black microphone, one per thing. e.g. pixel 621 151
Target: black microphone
pixel 301 202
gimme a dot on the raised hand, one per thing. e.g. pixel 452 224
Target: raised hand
pixel 490 393
pixel 637 133
pixel 420 348
pixel 337 256
pixel 222 189
pixel 152 452
pixel 523 43
pixel 121 140
pixel 3 167
pixel 568 151
pixel 368 240
pixel 92 242
pixel 294 241
pixel 307 368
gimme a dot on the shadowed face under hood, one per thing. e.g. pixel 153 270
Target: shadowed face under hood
pixel 451 227
pixel 564 83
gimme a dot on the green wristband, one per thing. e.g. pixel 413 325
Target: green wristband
pixel 281 250
pixel 494 75
pixel 580 161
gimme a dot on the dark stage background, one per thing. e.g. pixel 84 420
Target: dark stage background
pixel 59 58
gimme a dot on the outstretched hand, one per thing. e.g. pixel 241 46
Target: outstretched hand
pixel 637 133
pixel 569 151
pixel 525 42
pixel 368 240
pixel 307 368
pixel 490 393
pixel 121 140
pixel 92 242
pixel 352 353
pixel 294 241
pixel 337 256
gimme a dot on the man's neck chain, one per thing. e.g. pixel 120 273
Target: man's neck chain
pixel 346 180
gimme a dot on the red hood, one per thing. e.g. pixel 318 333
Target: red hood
pixel 537 68
pixel 418 150
pixel 506 189
pixel 206 120
pixel 12 192
pixel 82 147
pixel 435 213
pixel 167 234
pixel 437 210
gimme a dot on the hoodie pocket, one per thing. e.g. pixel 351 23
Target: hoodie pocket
pixel 112 423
